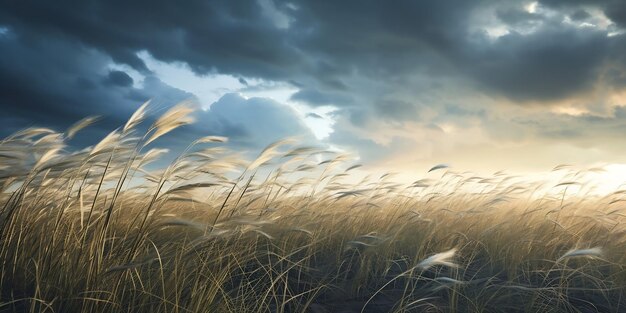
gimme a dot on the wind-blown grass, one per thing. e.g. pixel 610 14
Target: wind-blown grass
pixel 96 230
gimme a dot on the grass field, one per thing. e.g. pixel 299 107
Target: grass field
pixel 98 230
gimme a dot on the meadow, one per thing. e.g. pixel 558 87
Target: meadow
pixel 102 230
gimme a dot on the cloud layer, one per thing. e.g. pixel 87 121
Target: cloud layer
pixel 428 79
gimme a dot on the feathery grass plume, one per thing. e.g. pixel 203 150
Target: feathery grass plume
pixel 9 154
pixel 449 280
pixel 175 117
pixel 446 282
pixel 355 244
pixel 567 183
pixel 69 134
pixel 336 161
pixel 137 117
pixel 73 236
pixel 106 143
pixel 264 234
pixel 422 183
pixel 29 133
pixel 353 167
pixel 595 252
pixel 49 139
pixel 208 154
pixel 47 156
pixel 226 164
pixel 185 223
pixel 269 152
pixel 438 167
pixel 187 188
pixel 301 151
pixel 343 194
pixel 561 167
pixel 304 167
pixel 442 258
pixel 367 240
pixel 207 139
pixel 151 156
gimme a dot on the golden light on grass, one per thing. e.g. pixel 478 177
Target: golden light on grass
pixel 96 230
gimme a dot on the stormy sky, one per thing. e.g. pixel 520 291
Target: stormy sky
pixel 483 85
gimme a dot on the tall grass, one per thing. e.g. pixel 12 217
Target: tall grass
pixel 96 230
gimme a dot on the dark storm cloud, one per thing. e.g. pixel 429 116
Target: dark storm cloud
pixel 580 15
pixel 460 111
pixel 613 9
pixel 517 16
pixel 326 43
pixel 616 11
pixel 71 82
pixel 314 115
pixel 547 65
pixel 74 82
pixel 231 36
pixel 377 40
pixel 377 61
pixel 55 90
pixel 119 78
pixel 396 110
pixel 317 98
pixel 388 43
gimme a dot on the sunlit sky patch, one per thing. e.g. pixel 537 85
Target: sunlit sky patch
pixel 209 88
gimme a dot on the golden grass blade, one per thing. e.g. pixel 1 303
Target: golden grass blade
pixel 109 141
pixel 207 139
pixel 177 116
pixel 137 117
pixel 269 152
pixel 438 167
pixel 80 125
pixel 595 252
pixel 443 258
